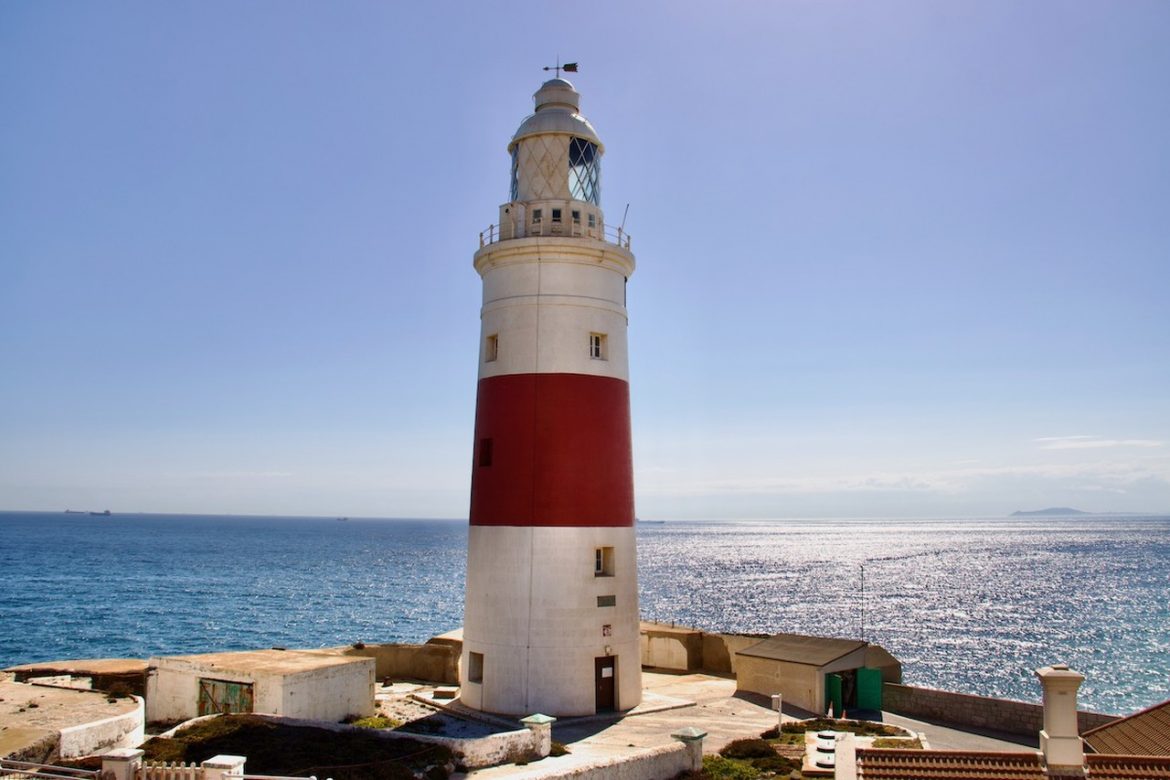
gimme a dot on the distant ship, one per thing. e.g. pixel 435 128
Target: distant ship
pixel 101 514
pixel 343 519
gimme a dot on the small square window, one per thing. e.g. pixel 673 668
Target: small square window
pixel 606 601
pixel 556 215
pixel 592 220
pixel 485 452
pixel 475 667
pixel 597 346
pixel 537 216
pixel 576 217
pixel 491 349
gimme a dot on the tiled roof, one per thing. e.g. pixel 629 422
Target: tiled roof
pixel 1145 733
pixel 967 765
pixel 800 649
pixel 1126 767
pixel 948 765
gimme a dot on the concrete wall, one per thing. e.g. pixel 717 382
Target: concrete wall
pixel 802 686
pixel 502 748
pixel 719 650
pixel 657 763
pixel 1013 717
pixel 331 693
pixel 121 731
pixel 664 648
pixel 432 662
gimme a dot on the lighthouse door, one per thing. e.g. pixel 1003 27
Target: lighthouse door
pixel 604 679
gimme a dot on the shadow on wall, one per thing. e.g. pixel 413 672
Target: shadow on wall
pixel 436 661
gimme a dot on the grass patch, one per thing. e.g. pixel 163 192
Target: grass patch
pixel 376 722
pixel 278 749
pixel 898 744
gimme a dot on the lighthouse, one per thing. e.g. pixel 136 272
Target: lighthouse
pixel 551 616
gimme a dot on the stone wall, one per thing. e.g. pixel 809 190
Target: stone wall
pixel 962 709
pixel 433 662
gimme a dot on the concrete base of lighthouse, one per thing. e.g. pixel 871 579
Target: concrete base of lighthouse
pixel 582 654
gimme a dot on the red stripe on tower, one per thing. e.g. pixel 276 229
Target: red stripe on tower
pixel 553 450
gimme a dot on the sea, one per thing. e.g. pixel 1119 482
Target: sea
pixel 972 605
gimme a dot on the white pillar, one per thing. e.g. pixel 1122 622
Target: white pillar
pixel 1060 741
pixel 221 767
pixel 541 728
pixel 122 764
pixel 693 739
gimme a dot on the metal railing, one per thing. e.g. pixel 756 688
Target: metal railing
pixel 20 770
pixel 547 228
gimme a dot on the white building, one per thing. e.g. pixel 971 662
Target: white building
pixel 293 683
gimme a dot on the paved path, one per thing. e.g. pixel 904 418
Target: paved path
pixel 711 704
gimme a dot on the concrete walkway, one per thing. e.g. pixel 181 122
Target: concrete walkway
pixel 675 701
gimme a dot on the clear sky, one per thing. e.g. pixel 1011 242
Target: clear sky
pixel 895 258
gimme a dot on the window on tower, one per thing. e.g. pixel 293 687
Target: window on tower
pixel 584 171
pixel 475 667
pixel 597 346
pixel 491 349
pixel 537 216
pixel 556 216
pixel 603 562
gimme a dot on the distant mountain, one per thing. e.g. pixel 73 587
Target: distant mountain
pixel 1055 511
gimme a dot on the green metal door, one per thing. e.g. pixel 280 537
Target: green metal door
pixel 833 694
pixel 869 689
pixel 222 696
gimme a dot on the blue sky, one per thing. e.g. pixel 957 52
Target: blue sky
pixel 895 259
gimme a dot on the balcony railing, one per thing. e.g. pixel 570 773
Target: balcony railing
pixel 547 228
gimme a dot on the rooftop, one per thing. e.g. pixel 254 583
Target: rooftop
pixel 1143 733
pixel 267 661
pixel 799 649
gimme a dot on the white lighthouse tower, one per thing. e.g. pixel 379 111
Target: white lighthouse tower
pixel 551 618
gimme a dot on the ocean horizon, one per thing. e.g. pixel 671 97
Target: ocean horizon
pixel 966 604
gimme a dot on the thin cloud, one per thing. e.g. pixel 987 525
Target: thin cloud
pixel 1092 443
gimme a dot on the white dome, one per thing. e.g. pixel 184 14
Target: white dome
pixel 556 112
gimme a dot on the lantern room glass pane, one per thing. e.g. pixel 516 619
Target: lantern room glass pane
pixel 515 192
pixel 584 171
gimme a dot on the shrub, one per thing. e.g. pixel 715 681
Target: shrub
pixel 748 748
pixel 720 768
pixel 558 749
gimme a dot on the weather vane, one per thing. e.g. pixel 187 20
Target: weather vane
pixel 568 67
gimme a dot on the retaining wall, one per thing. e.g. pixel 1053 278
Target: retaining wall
pixel 963 709
pixel 433 662
pixel 125 730
pixel 654 764
pixel 503 748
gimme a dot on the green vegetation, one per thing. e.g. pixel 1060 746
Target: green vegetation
pixel 748 748
pixel 862 728
pixel 278 749
pixel 746 759
pixel 376 722
pixel 898 744
pixel 558 749
pixel 720 768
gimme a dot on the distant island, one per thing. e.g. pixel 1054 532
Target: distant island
pixel 1055 511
